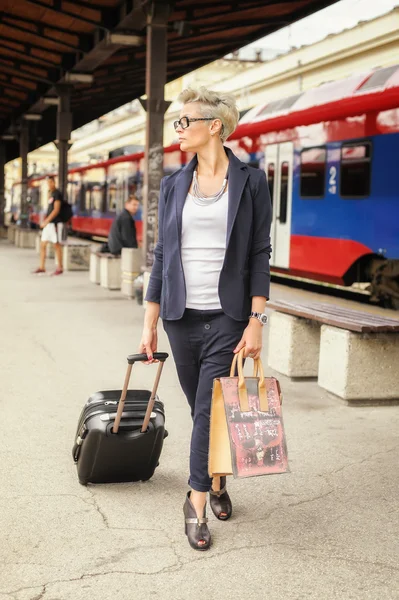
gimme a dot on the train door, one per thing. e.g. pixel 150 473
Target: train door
pixel 278 165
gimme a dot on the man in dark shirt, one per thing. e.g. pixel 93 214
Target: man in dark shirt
pixel 123 229
pixel 53 229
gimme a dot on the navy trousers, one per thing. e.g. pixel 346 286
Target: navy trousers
pixel 202 344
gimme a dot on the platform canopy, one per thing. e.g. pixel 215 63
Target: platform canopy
pixel 98 47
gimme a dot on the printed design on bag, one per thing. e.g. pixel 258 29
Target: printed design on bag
pixel 258 445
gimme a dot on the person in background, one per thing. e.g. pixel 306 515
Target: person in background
pixel 53 229
pixel 123 229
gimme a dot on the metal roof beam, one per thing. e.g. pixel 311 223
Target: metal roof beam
pixel 104 49
pixel 132 15
pixel 128 20
pixel 98 47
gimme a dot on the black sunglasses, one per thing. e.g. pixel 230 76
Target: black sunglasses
pixel 184 122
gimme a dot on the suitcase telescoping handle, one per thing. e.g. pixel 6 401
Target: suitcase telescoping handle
pixel 131 359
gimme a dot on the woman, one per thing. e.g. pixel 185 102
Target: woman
pixel 210 278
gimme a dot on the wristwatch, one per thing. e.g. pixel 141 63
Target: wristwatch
pixel 262 317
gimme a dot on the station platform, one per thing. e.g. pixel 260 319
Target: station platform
pixel 327 530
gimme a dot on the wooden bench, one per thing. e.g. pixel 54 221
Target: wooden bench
pixel 354 354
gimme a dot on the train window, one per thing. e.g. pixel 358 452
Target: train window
pixel 132 187
pixel 34 196
pixel 283 191
pixel 88 198
pixel 355 170
pixel 313 172
pixel 270 180
pixel 112 196
pixel 82 197
pixel 97 197
pixel 104 197
pixel 73 193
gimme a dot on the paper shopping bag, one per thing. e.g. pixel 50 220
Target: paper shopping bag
pixel 247 435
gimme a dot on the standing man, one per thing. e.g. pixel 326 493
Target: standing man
pixel 53 229
pixel 123 229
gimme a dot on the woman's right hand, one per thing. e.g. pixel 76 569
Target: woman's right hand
pixel 149 339
pixel 149 343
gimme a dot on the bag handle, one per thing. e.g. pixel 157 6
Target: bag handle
pixel 242 389
pixel 258 367
pixel 131 359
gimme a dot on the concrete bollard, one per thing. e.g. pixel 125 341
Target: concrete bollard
pixel 76 257
pixel 11 233
pixel 25 238
pixel 294 345
pixel 95 266
pixel 130 265
pixel 110 272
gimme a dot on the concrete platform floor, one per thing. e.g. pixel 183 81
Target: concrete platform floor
pixel 328 530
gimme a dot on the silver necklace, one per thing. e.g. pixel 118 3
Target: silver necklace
pixel 202 199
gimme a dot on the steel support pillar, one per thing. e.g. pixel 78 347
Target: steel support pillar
pixel 64 128
pixel 155 105
pixel 23 150
pixel 2 182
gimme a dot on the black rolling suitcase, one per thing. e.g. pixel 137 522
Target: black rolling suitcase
pixel 120 433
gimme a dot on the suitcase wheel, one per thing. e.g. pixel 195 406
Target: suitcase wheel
pixel 165 435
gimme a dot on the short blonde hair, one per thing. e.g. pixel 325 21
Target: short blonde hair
pixel 216 105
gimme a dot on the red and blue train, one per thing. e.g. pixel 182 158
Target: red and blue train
pixel 331 159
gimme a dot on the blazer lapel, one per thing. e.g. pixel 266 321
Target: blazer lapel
pixel 238 176
pixel 182 186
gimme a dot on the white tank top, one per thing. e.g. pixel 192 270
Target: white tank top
pixel 203 248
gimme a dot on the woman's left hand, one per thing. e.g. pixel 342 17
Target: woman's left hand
pixel 251 340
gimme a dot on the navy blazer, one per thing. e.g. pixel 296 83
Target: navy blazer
pixel 245 272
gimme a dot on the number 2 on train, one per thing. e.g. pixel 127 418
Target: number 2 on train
pixel 332 180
